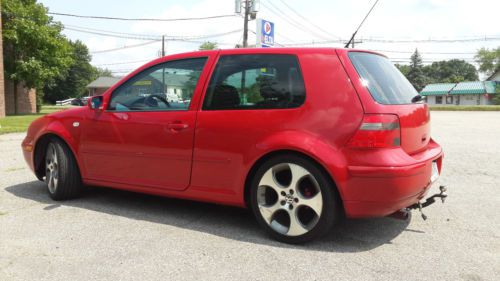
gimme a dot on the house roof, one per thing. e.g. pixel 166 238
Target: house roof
pixel 437 89
pixel 171 79
pixel 462 88
pixel 490 87
pixel 475 87
pixel 103 82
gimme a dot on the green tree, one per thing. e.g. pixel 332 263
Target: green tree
pixel 75 80
pixel 450 71
pixel 416 74
pixel 208 46
pixel 496 97
pixel 404 68
pixel 35 51
pixel 102 72
pixel 488 60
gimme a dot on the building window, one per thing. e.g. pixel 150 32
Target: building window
pixel 439 100
pixel 449 99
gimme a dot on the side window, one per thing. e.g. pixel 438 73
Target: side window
pixel 163 87
pixel 255 82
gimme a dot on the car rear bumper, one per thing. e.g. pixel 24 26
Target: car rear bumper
pixel 376 191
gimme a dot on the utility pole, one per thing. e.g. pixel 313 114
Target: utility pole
pixel 163 45
pixel 245 24
pixel 250 13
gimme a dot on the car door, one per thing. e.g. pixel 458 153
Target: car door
pixel 249 97
pixel 144 137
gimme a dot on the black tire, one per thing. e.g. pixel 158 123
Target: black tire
pixel 64 173
pixel 320 225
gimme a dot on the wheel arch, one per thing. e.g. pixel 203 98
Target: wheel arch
pixel 275 153
pixel 40 150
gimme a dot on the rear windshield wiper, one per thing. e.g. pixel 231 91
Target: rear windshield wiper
pixel 416 98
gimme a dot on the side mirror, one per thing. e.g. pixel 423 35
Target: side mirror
pixel 96 103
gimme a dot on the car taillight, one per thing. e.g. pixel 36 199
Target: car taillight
pixel 377 131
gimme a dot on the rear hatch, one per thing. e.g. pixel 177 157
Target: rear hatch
pixel 383 89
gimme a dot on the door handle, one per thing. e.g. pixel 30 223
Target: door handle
pixel 177 126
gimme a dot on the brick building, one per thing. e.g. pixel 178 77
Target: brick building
pixel 2 85
pixel 26 99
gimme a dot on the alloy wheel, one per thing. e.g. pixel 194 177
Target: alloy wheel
pixel 51 168
pixel 289 199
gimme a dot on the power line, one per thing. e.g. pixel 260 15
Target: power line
pixel 122 70
pixel 275 10
pixel 307 20
pixel 430 40
pixel 113 35
pixel 124 47
pixel 432 53
pixel 451 40
pixel 139 19
pixel 435 59
pixel 137 36
pixel 110 31
pixel 123 62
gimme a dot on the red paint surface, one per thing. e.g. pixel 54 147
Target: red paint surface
pixel 208 157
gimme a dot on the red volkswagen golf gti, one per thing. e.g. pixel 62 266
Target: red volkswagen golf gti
pixel 301 136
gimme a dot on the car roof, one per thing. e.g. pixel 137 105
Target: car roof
pixel 236 51
pixel 241 51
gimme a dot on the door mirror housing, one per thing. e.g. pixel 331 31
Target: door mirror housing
pixel 96 103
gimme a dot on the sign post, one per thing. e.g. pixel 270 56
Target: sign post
pixel 265 33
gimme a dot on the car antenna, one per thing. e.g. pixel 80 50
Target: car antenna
pixel 354 34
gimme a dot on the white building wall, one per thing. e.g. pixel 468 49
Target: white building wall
pixel 431 100
pixel 484 100
pixel 460 100
pixel 469 99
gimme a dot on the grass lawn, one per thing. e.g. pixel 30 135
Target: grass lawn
pixel 20 123
pixel 466 108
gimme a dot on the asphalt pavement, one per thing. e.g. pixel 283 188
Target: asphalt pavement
pixel 118 235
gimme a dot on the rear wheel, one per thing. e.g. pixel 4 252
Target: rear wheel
pixel 61 171
pixel 293 200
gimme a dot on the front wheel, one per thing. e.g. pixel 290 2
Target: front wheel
pixel 62 175
pixel 293 199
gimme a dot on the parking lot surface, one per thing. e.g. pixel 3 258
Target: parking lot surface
pixel 117 235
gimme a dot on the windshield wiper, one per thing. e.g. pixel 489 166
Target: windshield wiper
pixel 417 98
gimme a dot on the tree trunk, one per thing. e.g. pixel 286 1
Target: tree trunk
pixel 16 83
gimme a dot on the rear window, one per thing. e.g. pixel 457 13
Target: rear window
pixel 384 81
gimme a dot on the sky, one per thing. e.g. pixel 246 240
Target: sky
pixel 296 23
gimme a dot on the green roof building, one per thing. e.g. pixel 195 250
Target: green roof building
pixel 463 93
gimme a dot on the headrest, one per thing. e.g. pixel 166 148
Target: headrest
pixel 225 96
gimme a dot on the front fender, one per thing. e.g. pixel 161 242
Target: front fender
pixel 62 128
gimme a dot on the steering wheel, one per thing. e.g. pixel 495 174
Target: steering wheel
pixel 151 100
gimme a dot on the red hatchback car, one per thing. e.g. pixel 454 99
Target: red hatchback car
pixel 302 136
